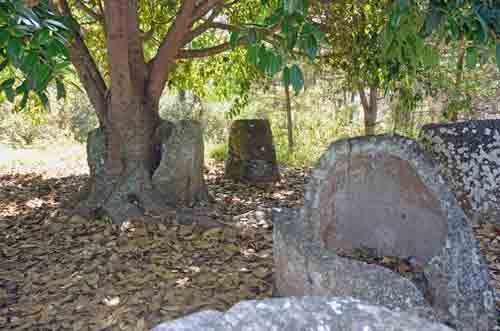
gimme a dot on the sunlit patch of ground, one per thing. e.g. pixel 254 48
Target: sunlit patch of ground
pixel 57 160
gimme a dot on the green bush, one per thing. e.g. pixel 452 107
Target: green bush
pixel 68 120
pixel 19 130
pixel 218 152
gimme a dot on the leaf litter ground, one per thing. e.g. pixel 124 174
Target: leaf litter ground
pixel 62 273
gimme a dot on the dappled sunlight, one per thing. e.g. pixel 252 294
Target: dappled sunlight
pixel 50 161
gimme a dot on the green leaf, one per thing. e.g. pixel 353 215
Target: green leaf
pixel 253 54
pixel 291 6
pixel 41 77
pixel 43 37
pixel 7 84
pixel 430 57
pixel 498 55
pixel 55 48
pixel 14 50
pixel 311 47
pixel 3 65
pixel 263 58
pixel 484 28
pixel 43 99
pixel 291 37
pixel 453 28
pixel 4 36
pixel 296 78
pixel 29 62
pixel 286 77
pixel 55 25
pixel 23 88
pixel 252 36
pixel 471 57
pixel 9 92
pixel 275 64
pixel 233 40
pixel 61 90
pixel 318 34
pixel 24 100
pixel 432 21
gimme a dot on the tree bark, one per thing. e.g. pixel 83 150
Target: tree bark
pixel 453 116
pixel 125 189
pixel 370 109
pixel 289 121
pixel 125 152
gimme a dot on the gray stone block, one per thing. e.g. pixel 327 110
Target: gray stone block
pixel 179 175
pixel 468 156
pixel 385 194
pixel 251 155
pixel 300 314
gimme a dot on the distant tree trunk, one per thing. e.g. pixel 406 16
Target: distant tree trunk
pixel 201 112
pixel 289 121
pixel 182 97
pixel 453 115
pixel 370 109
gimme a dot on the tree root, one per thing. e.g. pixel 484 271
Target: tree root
pixel 123 202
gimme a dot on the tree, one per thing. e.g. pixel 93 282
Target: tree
pixel 354 32
pixel 473 25
pixel 125 90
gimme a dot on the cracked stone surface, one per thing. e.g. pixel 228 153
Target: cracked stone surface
pixel 305 313
pixel 383 193
pixel 468 155
pixel 179 176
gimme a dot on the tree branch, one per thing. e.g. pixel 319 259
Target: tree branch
pixel 164 60
pixel 138 69
pixel 202 9
pixel 89 11
pixel 204 52
pixel 88 72
pixel 207 26
pixel 202 27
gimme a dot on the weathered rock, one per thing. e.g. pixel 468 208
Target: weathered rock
pixel 385 194
pixel 468 155
pixel 306 313
pixel 96 149
pixel 251 155
pixel 179 176
pixel 162 133
pixel 96 154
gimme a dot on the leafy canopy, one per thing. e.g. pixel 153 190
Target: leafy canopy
pixel 33 45
pixel 474 22
pixel 35 41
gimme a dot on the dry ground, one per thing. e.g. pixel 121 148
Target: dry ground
pixel 61 273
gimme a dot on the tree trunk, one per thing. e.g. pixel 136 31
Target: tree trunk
pixel 125 158
pixel 289 120
pixel 121 184
pixel 125 152
pixel 123 189
pixel 370 109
